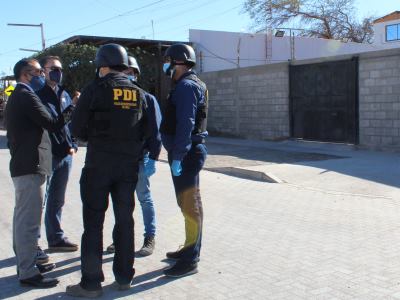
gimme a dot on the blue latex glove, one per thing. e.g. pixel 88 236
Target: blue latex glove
pixel 176 167
pixel 149 167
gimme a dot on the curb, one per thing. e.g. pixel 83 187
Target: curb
pixel 243 173
pixel 247 174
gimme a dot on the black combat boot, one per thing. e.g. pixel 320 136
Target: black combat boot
pixel 148 246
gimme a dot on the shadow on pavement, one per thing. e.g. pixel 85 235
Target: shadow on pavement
pixel 8 262
pixel 59 295
pixel 3 141
pixel 380 167
pixel 109 293
pixel 10 284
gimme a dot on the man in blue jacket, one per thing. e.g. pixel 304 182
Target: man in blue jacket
pixel 183 133
pixel 147 168
pixel 63 147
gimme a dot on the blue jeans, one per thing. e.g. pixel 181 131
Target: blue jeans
pixel 187 191
pixel 55 198
pixel 146 202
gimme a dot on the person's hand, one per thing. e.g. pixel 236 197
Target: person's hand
pixel 67 113
pixel 72 151
pixel 149 167
pixel 75 99
pixel 176 167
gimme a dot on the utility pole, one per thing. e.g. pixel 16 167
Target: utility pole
pixel 33 25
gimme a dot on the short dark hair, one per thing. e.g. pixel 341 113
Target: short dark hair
pixel 22 66
pixel 44 60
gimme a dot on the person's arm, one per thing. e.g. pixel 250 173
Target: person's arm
pixel 74 142
pixel 186 106
pixel 80 118
pixel 38 113
pixel 152 110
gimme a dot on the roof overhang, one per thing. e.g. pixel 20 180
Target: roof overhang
pixel 390 17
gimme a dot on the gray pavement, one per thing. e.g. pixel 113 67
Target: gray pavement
pixel 330 229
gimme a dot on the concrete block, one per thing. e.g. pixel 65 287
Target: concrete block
pixel 380 115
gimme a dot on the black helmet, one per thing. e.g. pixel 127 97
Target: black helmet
pixel 132 63
pixel 181 52
pixel 111 55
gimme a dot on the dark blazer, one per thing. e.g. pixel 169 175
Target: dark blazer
pixel 27 121
pixel 61 140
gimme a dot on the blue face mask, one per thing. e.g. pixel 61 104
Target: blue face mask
pixel 166 67
pixel 37 82
pixel 56 76
pixel 132 77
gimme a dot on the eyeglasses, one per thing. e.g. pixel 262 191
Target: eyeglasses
pixel 54 68
pixel 34 72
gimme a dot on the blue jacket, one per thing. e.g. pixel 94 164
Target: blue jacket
pixel 61 140
pixel 153 143
pixel 186 97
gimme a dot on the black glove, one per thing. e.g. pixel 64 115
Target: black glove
pixel 67 113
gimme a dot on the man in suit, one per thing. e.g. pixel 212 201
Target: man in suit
pixel 27 121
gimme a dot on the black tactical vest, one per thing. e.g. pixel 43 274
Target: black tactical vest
pixel 117 124
pixel 168 124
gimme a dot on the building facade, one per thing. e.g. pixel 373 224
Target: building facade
pixel 387 31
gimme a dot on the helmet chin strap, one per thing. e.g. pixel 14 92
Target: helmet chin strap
pixel 172 69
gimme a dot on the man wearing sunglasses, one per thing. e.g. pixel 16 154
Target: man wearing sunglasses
pixel 63 147
pixel 27 121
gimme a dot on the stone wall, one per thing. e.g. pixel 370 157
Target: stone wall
pixel 249 102
pixel 253 102
pixel 379 100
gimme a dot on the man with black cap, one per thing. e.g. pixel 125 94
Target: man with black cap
pixel 183 133
pixel 112 116
pixel 147 167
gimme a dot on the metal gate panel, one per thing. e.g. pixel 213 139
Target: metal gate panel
pixel 324 101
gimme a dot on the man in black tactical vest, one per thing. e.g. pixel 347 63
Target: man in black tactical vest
pixel 112 116
pixel 183 132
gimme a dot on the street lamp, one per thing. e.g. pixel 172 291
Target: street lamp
pixel 32 25
pixel 281 32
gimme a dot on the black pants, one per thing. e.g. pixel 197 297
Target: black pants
pixel 187 191
pixel 98 181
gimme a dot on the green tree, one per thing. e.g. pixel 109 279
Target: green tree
pixel 77 61
pixel 329 19
pixel 79 68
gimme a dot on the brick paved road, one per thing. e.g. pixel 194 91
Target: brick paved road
pixel 261 241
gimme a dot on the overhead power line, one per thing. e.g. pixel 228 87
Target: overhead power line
pixel 130 12
pixel 200 20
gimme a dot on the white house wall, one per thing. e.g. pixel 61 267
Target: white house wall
pixel 218 50
pixel 380 35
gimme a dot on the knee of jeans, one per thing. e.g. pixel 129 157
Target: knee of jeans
pixel 144 197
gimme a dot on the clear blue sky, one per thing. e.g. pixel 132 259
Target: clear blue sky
pixel 126 18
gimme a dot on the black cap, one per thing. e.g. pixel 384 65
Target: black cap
pixel 181 52
pixel 133 63
pixel 111 55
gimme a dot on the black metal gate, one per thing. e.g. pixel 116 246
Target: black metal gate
pixel 324 101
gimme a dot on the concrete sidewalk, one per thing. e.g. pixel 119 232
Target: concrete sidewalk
pixel 329 230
